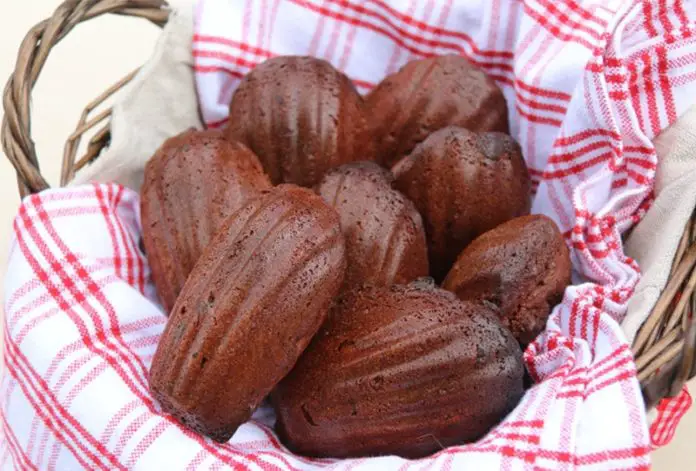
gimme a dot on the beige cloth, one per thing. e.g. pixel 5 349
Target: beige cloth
pixel 655 239
pixel 159 103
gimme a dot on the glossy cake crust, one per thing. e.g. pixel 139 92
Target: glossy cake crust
pixel 192 184
pixel 404 370
pixel 463 184
pixel 429 94
pixel 521 268
pixel 254 300
pixel 302 117
pixel 385 239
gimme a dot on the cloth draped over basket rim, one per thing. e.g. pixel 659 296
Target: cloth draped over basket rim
pixel 668 352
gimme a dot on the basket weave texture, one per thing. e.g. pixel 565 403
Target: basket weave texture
pixel 664 349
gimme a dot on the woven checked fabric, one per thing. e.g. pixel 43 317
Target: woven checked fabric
pixel 588 84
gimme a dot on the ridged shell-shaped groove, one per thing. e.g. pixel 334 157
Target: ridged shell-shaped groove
pixel 427 95
pixel 301 117
pixel 463 184
pixel 192 184
pixel 404 370
pixel 521 267
pixel 385 239
pixel 251 305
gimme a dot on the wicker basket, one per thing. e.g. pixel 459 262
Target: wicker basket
pixel 664 348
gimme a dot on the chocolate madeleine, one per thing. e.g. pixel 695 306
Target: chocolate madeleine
pixel 520 268
pixel 253 301
pixel 192 184
pixel 301 117
pixel 429 94
pixel 404 370
pixel 385 239
pixel 463 184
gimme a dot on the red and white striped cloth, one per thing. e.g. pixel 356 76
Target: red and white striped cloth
pixel 588 83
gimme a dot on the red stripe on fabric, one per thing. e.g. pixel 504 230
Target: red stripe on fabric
pixel 42 275
pixel 684 79
pixel 218 69
pixel 508 451
pixel 397 38
pixel 588 385
pixel 437 31
pixel 21 460
pixel 18 294
pixel 651 94
pixel 552 12
pixel 610 381
pixel 117 232
pixel 637 177
pixel 546 93
pixel 494 26
pixel 583 135
pixel 584 320
pixel 106 354
pixel 578 153
pixel 55 453
pixel 663 16
pixel 37 303
pixel 55 363
pixel 134 262
pixel 5 454
pixel 574 308
pixel 640 150
pixel 683 18
pixel 228 58
pixel 261 27
pixel 246 21
pixel 556 30
pixel 541 106
pixel 574 169
pixel 132 427
pixel 596 457
pixel 579 11
pixel 396 53
pixel 348 48
pixel 665 85
pixel 244 47
pixel 518 437
pixel 316 37
pixel 115 420
pixel 648 18
pixel 635 92
pixel 217 124
pixel 274 16
pixel 115 345
pixel 538 119
pixel 54 416
pixel 642 163
pixel 145 443
pixel 534 423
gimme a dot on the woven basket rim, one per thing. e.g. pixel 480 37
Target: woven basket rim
pixel 664 348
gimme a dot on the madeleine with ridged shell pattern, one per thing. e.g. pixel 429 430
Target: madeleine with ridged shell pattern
pixel 385 239
pixel 254 300
pixel 404 370
pixel 192 184
pixel 429 94
pixel 463 184
pixel 520 268
pixel 302 117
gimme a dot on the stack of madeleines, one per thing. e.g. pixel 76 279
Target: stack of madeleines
pixel 366 263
